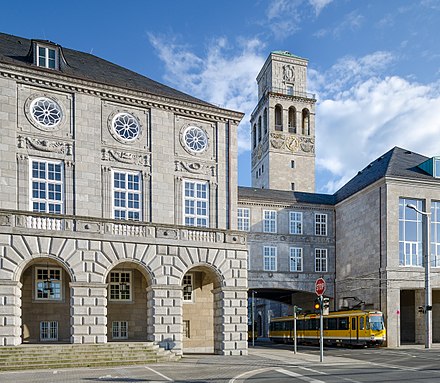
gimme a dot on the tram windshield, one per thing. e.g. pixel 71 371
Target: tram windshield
pixel 376 322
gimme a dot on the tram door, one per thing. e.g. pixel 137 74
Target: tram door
pixel 354 330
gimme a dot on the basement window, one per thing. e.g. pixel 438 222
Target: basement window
pixel 120 330
pixel 48 330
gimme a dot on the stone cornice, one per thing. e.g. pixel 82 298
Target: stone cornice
pixel 61 82
pixel 291 205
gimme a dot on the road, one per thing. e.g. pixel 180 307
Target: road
pixel 265 363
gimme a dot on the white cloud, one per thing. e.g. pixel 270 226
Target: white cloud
pixel 319 5
pixel 363 115
pixel 220 77
pixel 351 22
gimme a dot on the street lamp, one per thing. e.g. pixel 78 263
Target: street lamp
pixel 428 297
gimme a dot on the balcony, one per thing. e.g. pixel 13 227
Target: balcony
pixel 42 224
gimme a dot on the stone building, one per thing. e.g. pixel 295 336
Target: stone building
pixel 118 208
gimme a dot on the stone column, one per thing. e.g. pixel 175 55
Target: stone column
pixel 164 306
pixel 89 312
pixel 230 321
pixel 420 327
pixel 10 313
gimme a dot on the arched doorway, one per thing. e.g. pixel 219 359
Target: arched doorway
pixel 201 316
pixel 127 303
pixel 45 309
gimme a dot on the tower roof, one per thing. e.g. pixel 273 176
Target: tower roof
pixel 287 53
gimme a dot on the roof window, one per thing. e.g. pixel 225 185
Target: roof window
pixel 431 166
pixel 46 54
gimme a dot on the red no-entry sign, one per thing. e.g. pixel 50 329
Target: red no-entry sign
pixel 320 286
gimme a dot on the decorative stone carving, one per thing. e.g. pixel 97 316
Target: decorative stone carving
pixel 288 73
pixel 194 167
pixel 125 157
pixel 308 145
pixel 277 140
pixel 44 145
pixel 292 143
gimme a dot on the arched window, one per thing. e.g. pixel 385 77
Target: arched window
pixel 292 120
pixel 265 120
pixel 306 122
pixel 279 118
pixel 254 136
pixel 259 129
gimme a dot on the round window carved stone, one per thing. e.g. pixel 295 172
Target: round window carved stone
pixel 126 126
pixel 195 139
pixel 46 112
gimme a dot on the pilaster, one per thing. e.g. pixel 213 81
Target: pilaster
pixel 10 313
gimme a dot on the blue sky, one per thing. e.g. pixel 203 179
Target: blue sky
pixel 373 65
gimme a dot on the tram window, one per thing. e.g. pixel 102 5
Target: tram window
pixel 361 323
pixel 343 323
pixel 353 323
pixel 332 324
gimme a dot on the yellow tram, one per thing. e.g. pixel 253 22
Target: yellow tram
pixel 345 328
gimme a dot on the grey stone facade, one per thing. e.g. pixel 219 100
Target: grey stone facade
pixel 87 249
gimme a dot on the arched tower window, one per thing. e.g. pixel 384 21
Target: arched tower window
pixel 259 129
pixel 306 122
pixel 279 118
pixel 265 120
pixel 254 136
pixel 292 120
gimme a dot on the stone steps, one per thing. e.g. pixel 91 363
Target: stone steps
pixel 50 356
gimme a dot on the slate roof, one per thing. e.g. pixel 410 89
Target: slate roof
pixel 397 162
pixel 16 51
pixel 290 197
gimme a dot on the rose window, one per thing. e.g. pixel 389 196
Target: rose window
pixel 126 126
pixel 195 139
pixel 46 112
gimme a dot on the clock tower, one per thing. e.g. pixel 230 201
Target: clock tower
pixel 283 126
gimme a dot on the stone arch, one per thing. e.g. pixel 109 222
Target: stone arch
pixel 35 258
pixel 278 117
pixel 127 300
pixel 202 315
pixel 45 299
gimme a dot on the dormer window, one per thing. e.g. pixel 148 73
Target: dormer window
pixel 431 166
pixel 46 57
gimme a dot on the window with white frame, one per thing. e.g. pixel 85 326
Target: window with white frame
pixel 410 233
pixel 48 330
pixel 435 234
pixel 120 330
pixel 120 286
pixel 46 57
pixel 296 259
pixel 320 224
pixel 295 222
pixel 46 184
pixel 270 258
pixel 269 221
pixel 243 217
pixel 320 260
pixel 48 283
pixel 196 203
pixel 127 195
pixel 187 286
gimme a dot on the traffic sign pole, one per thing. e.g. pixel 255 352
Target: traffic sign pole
pixel 320 287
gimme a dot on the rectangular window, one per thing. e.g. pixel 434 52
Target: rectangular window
pixel 243 216
pixel 127 195
pixel 48 330
pixel 270 258
pixel 196 203
pixel 410 233
pixel 46 184
pixel 320 224
pixel 290 90
pixel 320 260
pixel 295 222
pixel 292 186
pixel 292 164
pixel 269 221
pixel 186 329
pixel 48 283
pixel 296 259
pixel 187 285
pixel 120 286
pixel 120 330
pixel 47 57
pixel 435 234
